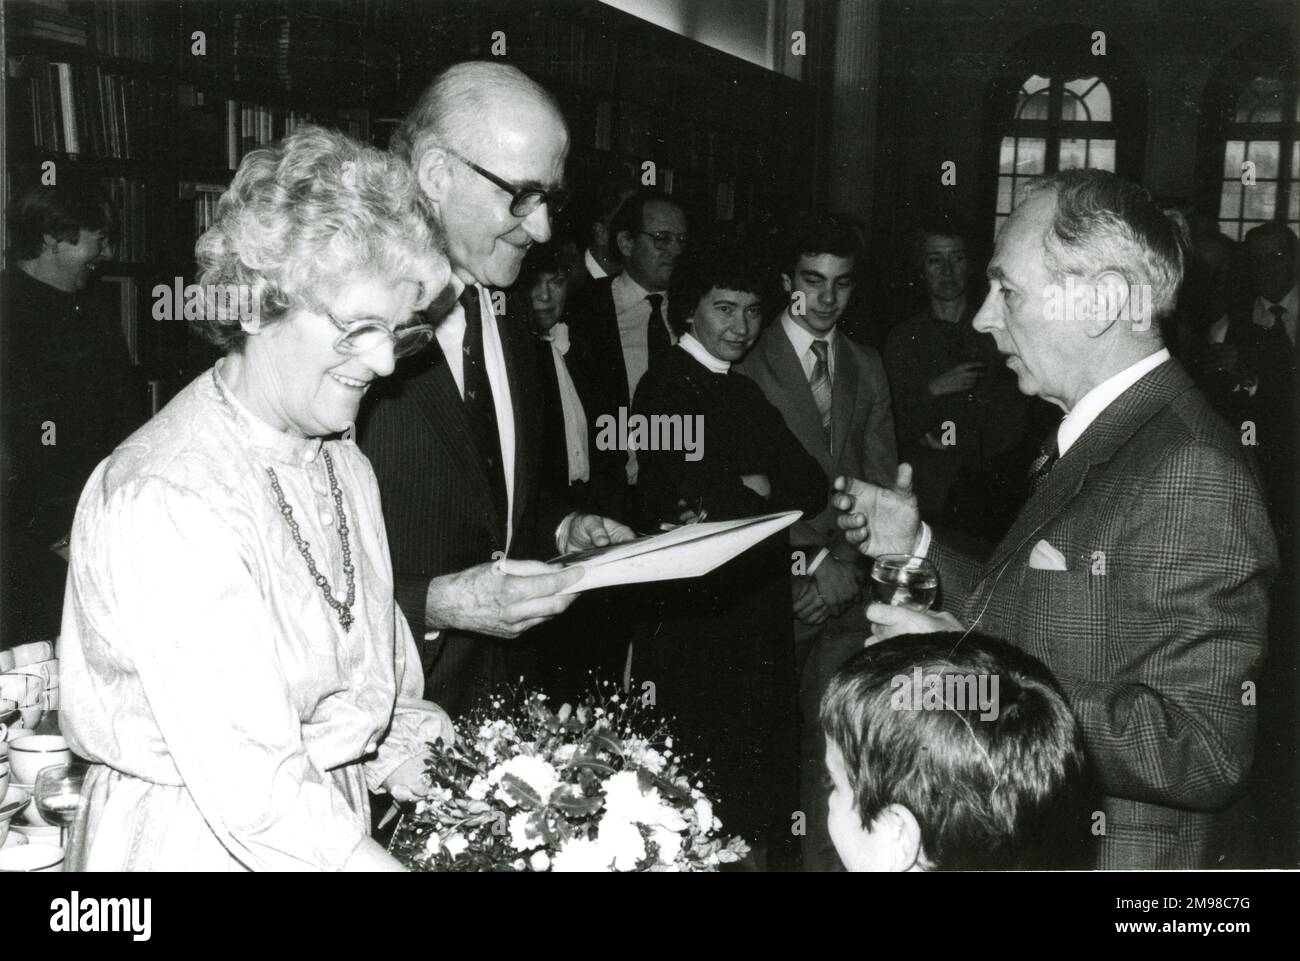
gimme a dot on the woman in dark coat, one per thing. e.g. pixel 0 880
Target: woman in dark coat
pixel 721 653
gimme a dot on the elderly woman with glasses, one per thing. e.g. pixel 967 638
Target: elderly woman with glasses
pixel 233 661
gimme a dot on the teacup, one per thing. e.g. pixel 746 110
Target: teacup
pixel 12 803
pixel 4 777
pixel 33 856
pixel 36 833
pixel 32 714
pixel 30 755
pixel 15 839
pixel 20 687
pixel 11 719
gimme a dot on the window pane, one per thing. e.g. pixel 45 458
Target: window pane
pixel 1230 228
pixel 1099 102
pixel 1233 155
pixel 1293 204
pixel 1101 155
pixel 1095 99
pixel 1073 154
pixel 1264 155
pixel 1072 108
pixel 1295 157
pixel 1261 200
pixel 1033 108
pixel 1030 155
pixel 1230 199
pixel 1036 83
pixel 997 226
pixel 1007 155
pixel 1004 195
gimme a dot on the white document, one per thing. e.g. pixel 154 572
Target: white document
pixel 686 551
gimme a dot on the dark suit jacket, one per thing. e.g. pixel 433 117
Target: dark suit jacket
pixel 436 500
pixel 594 324
pixel 862 419
pixel 1160 619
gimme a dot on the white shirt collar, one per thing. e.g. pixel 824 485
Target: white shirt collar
pixel 1091 404
pixel 628 292
pixel 801 339
pixel 1264 317
pixel 693 347
pixel 593 265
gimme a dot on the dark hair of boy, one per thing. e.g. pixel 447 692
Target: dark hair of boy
pixel 821 233
pixel 989 794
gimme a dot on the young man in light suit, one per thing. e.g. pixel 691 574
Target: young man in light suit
pixel 1138 570
pixel 834 397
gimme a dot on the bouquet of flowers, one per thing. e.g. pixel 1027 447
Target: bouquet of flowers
pixel 592 788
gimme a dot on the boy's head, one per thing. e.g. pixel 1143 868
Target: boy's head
pixel 952 753
pixel 819 270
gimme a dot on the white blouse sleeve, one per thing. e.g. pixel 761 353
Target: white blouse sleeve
pixel 180 590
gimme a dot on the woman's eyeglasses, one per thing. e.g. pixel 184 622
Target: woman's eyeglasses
pixel 366 336
pixel 523 200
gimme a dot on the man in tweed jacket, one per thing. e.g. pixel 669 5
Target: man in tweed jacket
pixel 1138 570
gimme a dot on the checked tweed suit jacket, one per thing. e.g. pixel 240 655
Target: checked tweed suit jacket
pixel 1160 619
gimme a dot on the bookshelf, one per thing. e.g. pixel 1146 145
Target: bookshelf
pixel 119 89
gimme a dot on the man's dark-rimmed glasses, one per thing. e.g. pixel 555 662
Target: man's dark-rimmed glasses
pixel 523 200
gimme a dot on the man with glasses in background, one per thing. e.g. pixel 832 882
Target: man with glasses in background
pixel 456 438
pixel 623 320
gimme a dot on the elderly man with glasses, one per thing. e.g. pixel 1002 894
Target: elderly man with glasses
pixel 457 440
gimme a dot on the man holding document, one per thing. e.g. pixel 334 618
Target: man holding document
pixel 1138 570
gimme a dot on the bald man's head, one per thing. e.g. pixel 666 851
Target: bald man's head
pixel 478 126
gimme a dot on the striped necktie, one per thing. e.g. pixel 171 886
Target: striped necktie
pixel 1041 465
pixel 820 382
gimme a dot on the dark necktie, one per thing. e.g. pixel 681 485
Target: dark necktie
pixel 480 408
pixel 657 338
pixel 1278 330
pixel 1041 465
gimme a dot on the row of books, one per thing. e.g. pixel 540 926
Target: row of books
pixel 115 28
pixel 130 200
pixel 253 125
pixel 77 109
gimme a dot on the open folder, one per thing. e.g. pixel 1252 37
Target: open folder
pixel 686 551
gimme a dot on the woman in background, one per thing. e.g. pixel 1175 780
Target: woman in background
pixel 722 653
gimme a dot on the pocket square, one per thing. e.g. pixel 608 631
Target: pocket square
pixel 1045 557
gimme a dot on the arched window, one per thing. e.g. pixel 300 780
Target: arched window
pixel 1261 145
pixel 1054 104
pixel 1250 138
pixel 1059 124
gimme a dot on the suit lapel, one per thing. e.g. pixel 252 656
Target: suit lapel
pixel 438 399
pixel 798 406
pixel 1097 445
pixel 844 393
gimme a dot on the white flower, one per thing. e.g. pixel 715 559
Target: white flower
pixel 540 861
pixel 523 835
pixel 669 844
pixel 625 801
pixel 456 844
pixel 433 845
pixel 478 789
pixel 579 854
pixel 704 815
pixel 623 841
pixel 565 752
pixel 533 771
pixel 652 761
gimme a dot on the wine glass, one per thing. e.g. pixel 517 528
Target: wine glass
pixel 904 580
pixel 57 794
